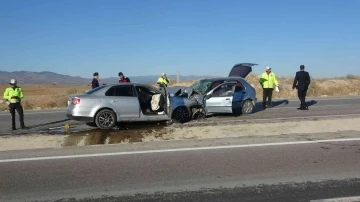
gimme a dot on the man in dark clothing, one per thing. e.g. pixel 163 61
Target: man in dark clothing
pixel 123 79
pixel 95 81
pixel 301 83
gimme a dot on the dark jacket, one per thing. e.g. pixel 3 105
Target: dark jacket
pixel 125 80
pixel 95 83
pixel 302 80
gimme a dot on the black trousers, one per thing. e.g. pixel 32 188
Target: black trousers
pixel 267 95
pixel 16 107
pixel 302 97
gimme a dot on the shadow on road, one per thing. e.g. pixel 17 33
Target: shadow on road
pixel 259 105
pixel 49 123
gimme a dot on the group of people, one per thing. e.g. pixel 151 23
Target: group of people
pixel 268 81
pixel 163 80
pixel 14 94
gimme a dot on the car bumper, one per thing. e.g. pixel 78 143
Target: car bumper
pixel 80 118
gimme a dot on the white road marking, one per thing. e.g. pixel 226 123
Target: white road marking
pixel 345 199
pixel 176 150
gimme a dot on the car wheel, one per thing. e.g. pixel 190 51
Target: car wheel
pixel 247 107
pixel 105 119
pixel 181 114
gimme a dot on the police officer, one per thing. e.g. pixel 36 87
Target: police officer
pixel 163 80
pixel 13 95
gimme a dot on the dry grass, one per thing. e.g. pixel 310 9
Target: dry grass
pixel 45 96
pixel 55 96
pixel 348 85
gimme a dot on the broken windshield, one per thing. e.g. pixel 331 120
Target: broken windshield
pixel 201 86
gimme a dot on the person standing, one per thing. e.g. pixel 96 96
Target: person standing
pixel 13 95
pixel 268 82
pixel 95 81
pixel 301 83
pixel 163 80
pixel 123 79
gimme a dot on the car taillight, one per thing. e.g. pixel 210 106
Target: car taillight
pixel 75 101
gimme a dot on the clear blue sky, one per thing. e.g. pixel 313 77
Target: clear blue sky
pixel 199 37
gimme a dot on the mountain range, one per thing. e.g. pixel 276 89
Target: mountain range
pixel 46 77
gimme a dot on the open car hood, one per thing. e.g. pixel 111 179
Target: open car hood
pixel 241 70
pixel 178 90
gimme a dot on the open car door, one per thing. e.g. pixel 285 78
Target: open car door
pixel 220 99
pixel 241 70
pixel 168 109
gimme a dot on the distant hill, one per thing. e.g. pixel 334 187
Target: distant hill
pixel 27 77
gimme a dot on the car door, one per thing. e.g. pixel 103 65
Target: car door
pixel 238 97
pixel 220 99
pixel 124 101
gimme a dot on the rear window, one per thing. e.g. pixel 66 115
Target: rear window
pixel 94 90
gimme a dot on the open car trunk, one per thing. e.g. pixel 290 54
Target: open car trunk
pixel 241 70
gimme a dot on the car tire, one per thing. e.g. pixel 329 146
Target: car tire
pixel 105 119
pixel 247 107
pixel 181 114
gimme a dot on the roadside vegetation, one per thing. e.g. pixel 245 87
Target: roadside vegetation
pixel 55 96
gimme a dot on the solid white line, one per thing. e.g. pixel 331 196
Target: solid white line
pixel 176 150
pixel 344 199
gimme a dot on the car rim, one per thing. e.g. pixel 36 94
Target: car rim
pixel 248 107
pixel 181 114
pixel 106 119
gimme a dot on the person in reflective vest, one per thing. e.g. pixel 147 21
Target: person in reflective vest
pixel 163 80
pixel 13 95
pixel 268 82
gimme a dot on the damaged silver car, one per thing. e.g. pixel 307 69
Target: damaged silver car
pixel 107 105
pixel 232 94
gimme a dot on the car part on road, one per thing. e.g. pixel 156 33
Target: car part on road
pixel 105 119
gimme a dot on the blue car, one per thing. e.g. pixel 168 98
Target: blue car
pixel 232 94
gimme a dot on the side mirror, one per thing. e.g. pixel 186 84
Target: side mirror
pixel 208 96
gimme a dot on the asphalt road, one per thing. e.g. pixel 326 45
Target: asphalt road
pixel 282 171
pixel 319 107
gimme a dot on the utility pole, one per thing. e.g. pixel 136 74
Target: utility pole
pixel 178 77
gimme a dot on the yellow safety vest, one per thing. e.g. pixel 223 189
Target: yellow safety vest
pixel 13 91
pixel 268 80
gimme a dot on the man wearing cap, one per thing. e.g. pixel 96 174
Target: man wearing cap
pixel 123 79
pixel 163 80
pixel 95 81
pixel 301 83
pixel 13 95
pixel 268 82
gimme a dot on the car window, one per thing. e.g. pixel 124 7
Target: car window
pixel 223 91
pixel 239 87
pixel 123 91
pixel 215 84
pixel 94 90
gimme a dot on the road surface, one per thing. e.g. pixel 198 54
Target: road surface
pixel 321 107
pixel 239 170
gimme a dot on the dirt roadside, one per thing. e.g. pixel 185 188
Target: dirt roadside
pixel 169 133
